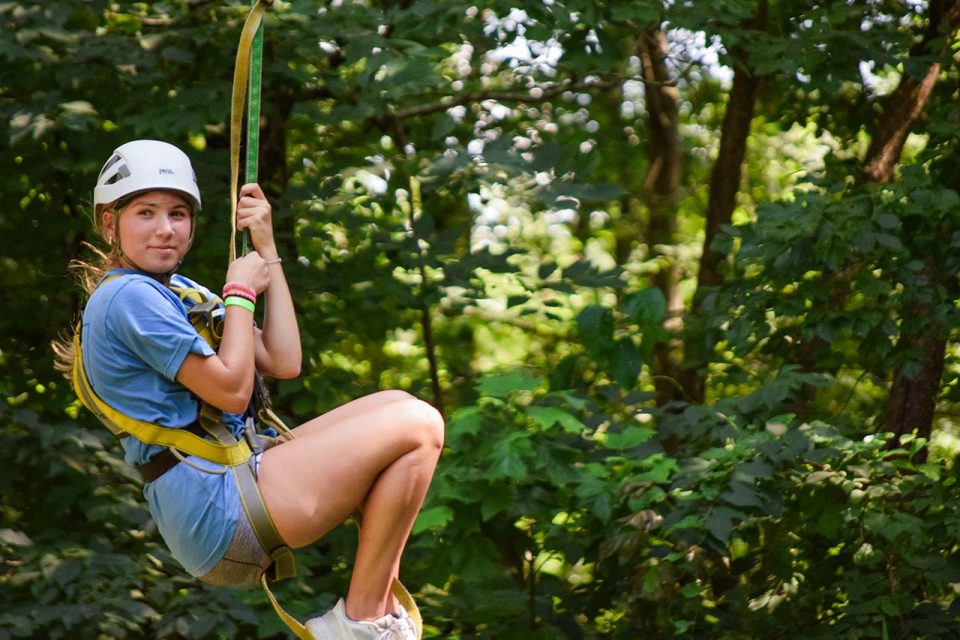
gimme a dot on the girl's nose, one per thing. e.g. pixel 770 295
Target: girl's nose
pixel 164 224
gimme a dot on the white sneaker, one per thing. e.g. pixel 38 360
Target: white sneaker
pixel 335 625
pixel 407 628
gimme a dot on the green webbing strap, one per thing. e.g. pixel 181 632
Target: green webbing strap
pixel 253 104
pixel 241 81
pixel 253 114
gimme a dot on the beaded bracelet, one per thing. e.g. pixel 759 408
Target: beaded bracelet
pixel 237 301
pixel 240 294
pixel 241 289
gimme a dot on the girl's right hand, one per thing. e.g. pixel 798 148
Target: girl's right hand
pixel 250 269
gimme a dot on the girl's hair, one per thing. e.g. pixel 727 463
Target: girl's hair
pixel 88 274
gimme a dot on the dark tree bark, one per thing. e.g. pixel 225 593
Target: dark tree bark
pixel 903 107
pixel 724 186
pixel 913 398
pixel 662 190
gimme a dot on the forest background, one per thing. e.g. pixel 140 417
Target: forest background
pixel 681 276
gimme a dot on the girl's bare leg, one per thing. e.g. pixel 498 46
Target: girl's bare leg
pixel 380 452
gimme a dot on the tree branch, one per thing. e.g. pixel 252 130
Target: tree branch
pixel 504 96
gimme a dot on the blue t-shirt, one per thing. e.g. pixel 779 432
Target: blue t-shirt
pixel 135 338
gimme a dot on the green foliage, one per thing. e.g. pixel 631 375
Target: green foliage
pixel 766 526
pixel 81 554
pixel 833 274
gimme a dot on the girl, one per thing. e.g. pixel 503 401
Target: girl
pixel 144 358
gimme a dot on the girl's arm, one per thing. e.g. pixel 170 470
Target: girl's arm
pixel 225 379
pixel 278 351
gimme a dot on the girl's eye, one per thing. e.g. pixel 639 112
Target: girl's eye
pixel 179 214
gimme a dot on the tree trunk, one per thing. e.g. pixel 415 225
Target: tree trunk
pixel 661 191
pixel 903 107
pixel 913 398
pixel 724 186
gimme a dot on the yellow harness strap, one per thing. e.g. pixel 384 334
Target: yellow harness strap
pixel 120 424
pixel 404 598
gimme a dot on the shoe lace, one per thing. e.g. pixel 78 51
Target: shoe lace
pixel 398 629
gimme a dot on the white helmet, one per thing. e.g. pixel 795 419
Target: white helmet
pixel 143 165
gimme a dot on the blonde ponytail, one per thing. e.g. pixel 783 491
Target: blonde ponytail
pixel 88 274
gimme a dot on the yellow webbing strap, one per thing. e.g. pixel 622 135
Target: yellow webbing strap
pixel 295 625
pixel 201 313
pixel 241 76
pixel 399 591
pixel 284 565
pixel 406 600
pixel 121 424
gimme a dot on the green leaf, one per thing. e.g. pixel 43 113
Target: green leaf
pixel 932 471
pixel 648 308
pixel 627 362
pixel 466 420
pixel 830 519
pixel 720 523
pixel 434 517
pixel 640 12
pixel 495 502
pixel 595 326
pixel 661 468
pixel 628 438
pixel 508 456
pixel 546 417
pixel 502 385
pixel 16 538
pixel 742 494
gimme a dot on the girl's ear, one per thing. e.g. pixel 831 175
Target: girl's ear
pixel 108 224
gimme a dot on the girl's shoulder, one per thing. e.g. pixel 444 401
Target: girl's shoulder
pixel 180 282
pixel 131 289
pixel 126 283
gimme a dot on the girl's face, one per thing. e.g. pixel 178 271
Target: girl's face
pixel 155 230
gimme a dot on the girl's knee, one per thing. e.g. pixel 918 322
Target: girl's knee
pixel 425 422
pixel 390 396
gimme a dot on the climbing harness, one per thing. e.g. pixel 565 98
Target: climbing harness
pixel 225 449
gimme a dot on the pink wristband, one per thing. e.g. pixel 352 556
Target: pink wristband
pixel 241 289
pixel 239 293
